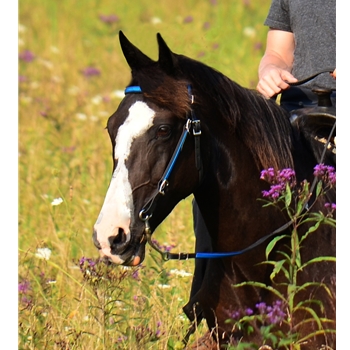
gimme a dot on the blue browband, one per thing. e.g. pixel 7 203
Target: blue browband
pixel 133 90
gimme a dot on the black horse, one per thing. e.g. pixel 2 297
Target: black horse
pixel 184 128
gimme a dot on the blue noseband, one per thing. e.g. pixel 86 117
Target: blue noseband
pixel 133 90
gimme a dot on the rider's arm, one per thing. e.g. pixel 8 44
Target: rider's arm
pixel 276 64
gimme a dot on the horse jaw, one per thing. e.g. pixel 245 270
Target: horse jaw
pixel 112 234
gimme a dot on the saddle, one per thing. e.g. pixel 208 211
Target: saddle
pixel 319 121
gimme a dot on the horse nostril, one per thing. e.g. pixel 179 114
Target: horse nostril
pixel 95 240
pixel 119 239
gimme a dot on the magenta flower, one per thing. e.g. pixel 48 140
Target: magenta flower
pixel 206 25
pixel 91 71
pixel 275 313
pixel 331 206
pixel 326 173
pixel 188 19
pixel 24 287
pixel 22 79
pixel 261 307
pixel 109 19
pixel 167 248
pixel 278 181
pixel 26 56
pixel 249 312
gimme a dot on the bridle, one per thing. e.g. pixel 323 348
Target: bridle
pixel 193 124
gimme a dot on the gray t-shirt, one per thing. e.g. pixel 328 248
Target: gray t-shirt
pixel 313 23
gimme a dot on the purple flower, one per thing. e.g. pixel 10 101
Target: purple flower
pixel 261 307
pixel 26 56
pixel 331 206
pixel 206 25
pixel 22 78
pixel 258 46
pixel 326 173
pixel 286 175
pixel 278 181
pixel 234 315
pixel 24 287
pixel 91 71
pixel 167 248
pixel 248 312
pixel 109 19
pixel 275 313
pixel 188 19
pixel 122 339
pixel 86 262
pixel 268 174
pixel 135 275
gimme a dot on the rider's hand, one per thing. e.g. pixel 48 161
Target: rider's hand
pixel 273 80
pixel 334 74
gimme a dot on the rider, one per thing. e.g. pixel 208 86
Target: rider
pixel 301 41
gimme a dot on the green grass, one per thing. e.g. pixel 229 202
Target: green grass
pixel 64 151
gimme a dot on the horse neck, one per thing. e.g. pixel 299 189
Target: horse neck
pixel 227 199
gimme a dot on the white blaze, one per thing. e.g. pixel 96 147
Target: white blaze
pixel 118 206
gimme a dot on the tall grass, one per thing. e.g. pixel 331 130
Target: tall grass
pixel 71 71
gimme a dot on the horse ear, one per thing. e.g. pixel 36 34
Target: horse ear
pixel 135 57
pixel 166 59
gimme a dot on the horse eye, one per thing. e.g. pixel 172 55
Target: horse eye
pixel 163 131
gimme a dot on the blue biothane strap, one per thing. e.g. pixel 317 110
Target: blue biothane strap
pixel 133 90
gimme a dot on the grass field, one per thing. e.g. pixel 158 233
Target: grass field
pixel 71 73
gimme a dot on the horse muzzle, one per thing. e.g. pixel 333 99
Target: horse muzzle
pixel 120 249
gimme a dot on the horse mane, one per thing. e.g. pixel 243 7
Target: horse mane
pixel 260 123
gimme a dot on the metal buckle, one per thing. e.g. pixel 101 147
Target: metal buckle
pixel 162 186
pixel 196 127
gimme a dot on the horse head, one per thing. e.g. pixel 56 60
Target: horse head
pixel 144 131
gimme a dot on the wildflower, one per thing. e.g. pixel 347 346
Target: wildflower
pixel 249 32
pixel 26 56
pixel 326 173
pixel 278 181
pixel 109 19
pixel 24 287
pixel 261 307
pixel 122 338
pixel 57 201
pixel 96 100
pixel 181 273
pixel 156 20
pixel 330 208
pixel 135 275
pixel 234 315
pixel 206 25
pixel 165 247
pixel 90 71
pixel 248 312
pixel 90 262
pixel 188 19
pixel 81 116
pixel 118 93
pixel 43 253
pixel 275 313
pixel 258 46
